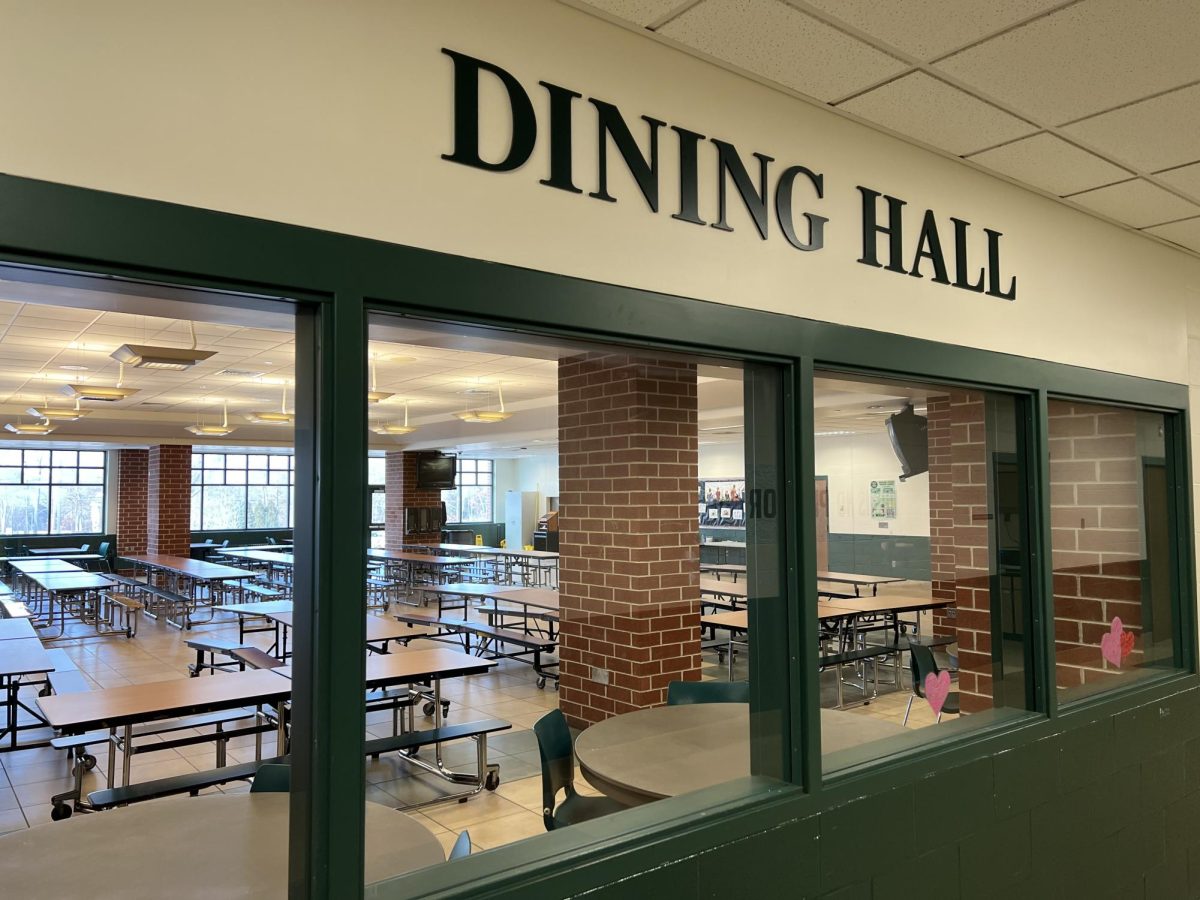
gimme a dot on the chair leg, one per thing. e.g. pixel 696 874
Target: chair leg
pixel 907 709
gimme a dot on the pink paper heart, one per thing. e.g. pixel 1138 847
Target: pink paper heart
pixel 1110 644
pixel 937 689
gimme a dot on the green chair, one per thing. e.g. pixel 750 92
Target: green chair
pixel 103 551
pixel 462 846
pixel 272 778
pixel 682 692
pixel 558 773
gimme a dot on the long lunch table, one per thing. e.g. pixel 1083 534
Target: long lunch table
pixel 856 581
pixel 542 565
pixel 417 570
pixel 186 578
pixel 213 846
pixel 85 596
pixel 120 708
pixel 731 592
pixel 20 657
pixel 15 629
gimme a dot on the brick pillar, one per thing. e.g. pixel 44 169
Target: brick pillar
pixel 132 471
pixel 628 535
pixel 402 493
pixel 169 500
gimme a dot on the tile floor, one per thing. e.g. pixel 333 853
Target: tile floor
pixel 29 777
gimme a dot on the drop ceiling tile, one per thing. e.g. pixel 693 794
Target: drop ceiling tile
pixel 1186 233
pixel 641 12
pixel 932 111
pixel 1138 203
pixel 1153 134
pixel 1086 58
pixel 1185 178
pixel 1052 164
pixel 781 43
pixel 924 29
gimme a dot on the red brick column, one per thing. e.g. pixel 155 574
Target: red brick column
pixel 628 536
pixel 132 472
pixel 169 500
pixel 402 493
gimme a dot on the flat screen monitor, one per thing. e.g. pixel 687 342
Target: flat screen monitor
pixel 436 471
pixel 910 441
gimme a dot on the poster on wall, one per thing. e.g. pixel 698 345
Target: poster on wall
pixel 883 499
pixel 722 502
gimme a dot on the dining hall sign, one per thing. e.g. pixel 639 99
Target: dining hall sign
pixel 893 238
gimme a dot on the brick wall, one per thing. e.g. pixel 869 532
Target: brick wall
pixel 628 537
pixel 132 500
pixel 169 499
pixel 402 492
pixel 1096 518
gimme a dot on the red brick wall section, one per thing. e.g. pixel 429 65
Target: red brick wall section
pixel 169 500
pixel 1096 517
pixel 132 501
pixel 628 537
pixel 959 537
pixel 401 492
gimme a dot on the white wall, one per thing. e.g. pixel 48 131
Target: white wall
pixel 539 474
pixel 336 116
pixel 851 463
pixel 722 461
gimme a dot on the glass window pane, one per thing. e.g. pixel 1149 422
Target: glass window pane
pixel 37 457
pixel 214 476
pixel 91 476
pixel 256 477
pixel 10 476
pixel 214 460
pixel 476 504
pixel 466 478
pixel 268 507
pixel 24 509
pixel 77 510
pixel 376 466
pixel 10 457
pixel 279 478
pixel 224 507
pixel 235 461
pixel 197 476
pixel 378 507
pixel 450 498
pixel 279 462
pixel 63 476
pixel 1113 557
pixel 920 565
pixel 256 462
pixel 235 476
pixel 196 505
pixel 37 476
pixel 91 458
pixel 64 458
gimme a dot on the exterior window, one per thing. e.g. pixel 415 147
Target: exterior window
pixel 233 491
pixel 51 491
pixel 471 499
pixel 923 607
pixel 376 482
pixel 1114 562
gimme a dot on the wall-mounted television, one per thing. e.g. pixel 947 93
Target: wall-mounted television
pixel 436 471
pixel 910 441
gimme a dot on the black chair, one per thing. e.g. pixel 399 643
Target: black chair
pixel 462 846
pixel 272 778
pixel 921 663
pixel 558 773
pixel 680 693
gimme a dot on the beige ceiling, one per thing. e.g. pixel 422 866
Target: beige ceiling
pixel 1094 102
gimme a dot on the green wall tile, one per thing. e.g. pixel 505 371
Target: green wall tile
pixel 953 803
pixel 883 822
pixel 724 873
pixel 994 860
pixel 1025 777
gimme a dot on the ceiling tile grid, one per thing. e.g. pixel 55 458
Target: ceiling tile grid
pixel 1093 102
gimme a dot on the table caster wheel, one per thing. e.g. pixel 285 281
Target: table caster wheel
pixel 89 762
pixel 541 682
pixel 60 811
pixel 492 781
pixel 428 708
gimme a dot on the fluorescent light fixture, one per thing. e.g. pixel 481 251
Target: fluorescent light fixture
pixel 144 356
pixel 486 416
pixel 283 417
pixel 29 428
pixel 396 429
pixel 375 395
pixel 214 430
pixel 66 414
pixel 97 392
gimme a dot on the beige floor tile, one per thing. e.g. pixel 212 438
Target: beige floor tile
pixel 480 808
pixel 496 832
pixel 12 820
pixel 526 792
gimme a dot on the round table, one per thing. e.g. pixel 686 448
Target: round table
pixel 212 846
pixel 669 750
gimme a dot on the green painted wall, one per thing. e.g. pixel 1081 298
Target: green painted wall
pixel 874 554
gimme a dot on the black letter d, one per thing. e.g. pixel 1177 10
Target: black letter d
pixel 466 116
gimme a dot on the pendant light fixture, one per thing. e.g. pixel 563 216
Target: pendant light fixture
pixel 396 429
pixel 99 392
pixel 375 395
pixel 486 415
pixel 144 356
pixel 29 428
pixel 283 417
pixel 214 430
pixel 64 414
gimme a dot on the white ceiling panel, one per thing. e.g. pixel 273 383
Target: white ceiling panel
pixel 1185 178
pixel 1086 58
pixel 932 111
pixel 781 43
pixel 1138 203
pixel 1052 164
pixel 1154 134
pixel 1186 233
pixel 641 12
pixel 927 30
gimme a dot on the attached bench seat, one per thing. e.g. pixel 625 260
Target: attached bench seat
pixel 14 609
pixel 537 644
pixel 212 648
pixel 192 783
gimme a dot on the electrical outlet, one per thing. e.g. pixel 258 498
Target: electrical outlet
pixel 600 676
